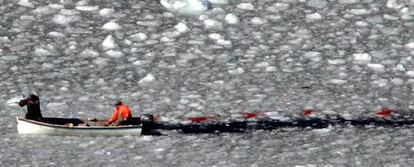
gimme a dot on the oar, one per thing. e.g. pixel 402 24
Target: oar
pixel 13 101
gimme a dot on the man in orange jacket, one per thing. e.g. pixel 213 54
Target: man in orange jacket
pixel 121 116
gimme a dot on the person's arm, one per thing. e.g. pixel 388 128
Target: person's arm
pixel 114 117
pixel 23 102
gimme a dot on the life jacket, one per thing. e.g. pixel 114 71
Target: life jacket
pixel 121 112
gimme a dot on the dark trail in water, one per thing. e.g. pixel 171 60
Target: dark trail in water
pixel 271 124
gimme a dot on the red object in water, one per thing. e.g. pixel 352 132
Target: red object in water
pixel 307 111
pixel 385 112
pixel 248 115
pixel 201 119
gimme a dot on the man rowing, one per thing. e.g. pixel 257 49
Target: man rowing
pixel 121 116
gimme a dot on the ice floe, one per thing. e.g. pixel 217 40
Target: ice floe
pixel 232 19
pixel 314 16
pixel 376 67
pixel 138 36
pixel 246 6
pixel 213 24
pixel 318 4
pixel 87 8
pixel 362 58
pixel 111 26
pixel 109 43
pixel 26 3
pixel 106 12
pixel 146 80
pixel 188 7
pixel 181 27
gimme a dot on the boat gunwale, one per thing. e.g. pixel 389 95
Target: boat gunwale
pixel 79 127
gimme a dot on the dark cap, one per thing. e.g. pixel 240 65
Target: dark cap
pixel 117 103
pixel 33 96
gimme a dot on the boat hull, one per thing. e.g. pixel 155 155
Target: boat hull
pixel 25 126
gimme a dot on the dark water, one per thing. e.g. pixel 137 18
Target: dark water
pixel 342 57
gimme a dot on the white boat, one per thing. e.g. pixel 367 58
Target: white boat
pixel 77 127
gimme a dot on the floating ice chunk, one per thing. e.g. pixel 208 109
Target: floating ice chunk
pixel 42 52
pixel 196 106
pixel 62 19
pixel 138 157
pixel 101 61
pixel 276 116
pixel 359 11
pixel 319 4
pixel 219 2
pixel 409 45
pixel 232 19
pixel 87 8
pixel 323 130
pixel 212 24
pixel 188 7
pixel 245 6
pixel 262 64
pixel 138 37
pixel 361 24
pixel 390 17
pixel 314 16
pixel 56 6
pixel 63 88
pixel 394 4
pixel 83 98
pixel 69 12
pixel 47 65
pixel 362 58
pixel 238 70
pixel 348 1
pixel 314 56
pixel 224 42
pixel 338 81
pixel 397 81
pixel 109 43
pixel 27 18
pixel 410 73
pixel 181 27
pixel 336 61
pixel 56 34
pixel 4 39
pixel 215 36
pixel 127 42
pixel 111 26
pixel 43 10
pixel 257 21
pixel 146 80
pixel 8 57
pixel 100 81
pixel 166 39
pixel 57 105
pixel 106 12
pixel 25 3
pixel 271 69
pixel 114 53
pixel 400 67
pixel 89 53
pixel 276 7
pixel 82 3
pixel 381 82
pixel 376 67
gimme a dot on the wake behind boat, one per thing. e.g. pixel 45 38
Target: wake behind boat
pixel 79 127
